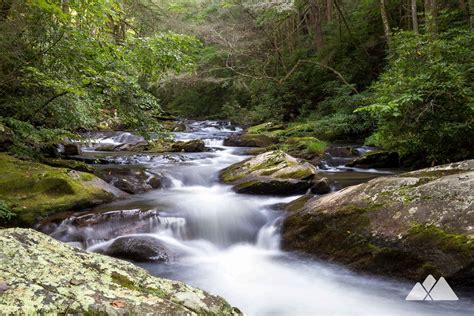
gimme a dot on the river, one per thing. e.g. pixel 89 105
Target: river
pixel 228 243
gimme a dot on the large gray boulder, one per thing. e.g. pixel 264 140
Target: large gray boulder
pixel 410 225
pixel 40 275
pixel 273 172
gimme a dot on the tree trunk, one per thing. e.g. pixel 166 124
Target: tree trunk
pixel 329 9
pixel 386 24
pixel 471 12
pixel 431 15
pixel 316 19
pixel 414 16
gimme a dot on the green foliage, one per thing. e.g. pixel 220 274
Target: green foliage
pixel 424 102
pixel 5 213
pixel 80 64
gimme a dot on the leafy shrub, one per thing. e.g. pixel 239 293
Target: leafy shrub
pixel 424 102
pixel 5 213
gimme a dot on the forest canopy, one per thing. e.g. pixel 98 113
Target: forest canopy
pixel 392 73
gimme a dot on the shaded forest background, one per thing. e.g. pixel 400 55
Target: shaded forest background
pixel 391 73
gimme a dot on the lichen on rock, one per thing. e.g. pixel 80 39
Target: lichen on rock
pixel 406 226
pixel 40 275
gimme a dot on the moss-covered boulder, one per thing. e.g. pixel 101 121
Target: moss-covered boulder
pixel 69 164
pixel 40 275
pixel 376 159
pixel 273 172
pixel 250 140
pixel 307 148
pixel 406 226
pixel 191 146
pixel 33 190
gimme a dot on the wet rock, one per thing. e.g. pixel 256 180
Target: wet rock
pixel 138 248
pixel 268 186
pixel 135 147
pixel 410 225
pixel 71 149
pixel 35 190
pixel 377 159
pixel 132 180
pixel 48 277
pixel 196 145
pixel 106 147
pixel 321 186
pixel 250 140
pixel 273 172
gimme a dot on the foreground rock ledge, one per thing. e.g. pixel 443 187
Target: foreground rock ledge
pixel 39 275
pixel 406 226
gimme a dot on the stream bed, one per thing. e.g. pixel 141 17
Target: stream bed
pixel 228 243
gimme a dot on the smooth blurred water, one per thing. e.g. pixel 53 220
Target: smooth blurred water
pixel 228 243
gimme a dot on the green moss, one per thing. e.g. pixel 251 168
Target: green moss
pixel 69 164
pixel 432 236
pixel 304 146
pixel 33 190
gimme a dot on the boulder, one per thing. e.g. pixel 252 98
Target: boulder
pixel 409 225
pixel 43 276
pixel 35 190
pixel 321 186
pixel 70 164
pixel 376 159
pixel 138 248
pixel 272 172
pixel 134 147
pixel 309 148
pixel 132 180
pixel 196 145
pixel 71 149
pixel 250 140
pixel 106 147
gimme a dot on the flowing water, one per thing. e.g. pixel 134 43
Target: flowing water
pixel 228 243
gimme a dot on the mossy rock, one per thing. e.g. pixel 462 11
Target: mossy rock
pixel 268 128
pixel 33 190
pixel 272 172
pixel 43 276
pixel 401 226
pixel 304 147
pixel 191 146
pixel 69 164
pixel 250 140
